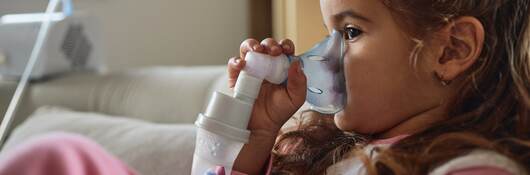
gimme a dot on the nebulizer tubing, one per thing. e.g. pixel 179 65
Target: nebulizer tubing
pixel 42 36
pixel 222 128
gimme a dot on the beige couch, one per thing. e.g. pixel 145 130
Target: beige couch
pixel 143 116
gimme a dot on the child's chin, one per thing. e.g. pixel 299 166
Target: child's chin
pixel 342 122
pixel 347 122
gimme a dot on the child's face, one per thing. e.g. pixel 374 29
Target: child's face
pixel 383 87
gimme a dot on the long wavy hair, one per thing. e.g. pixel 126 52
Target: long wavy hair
pixel 489 111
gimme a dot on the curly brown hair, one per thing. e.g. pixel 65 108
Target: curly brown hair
pixel 489 111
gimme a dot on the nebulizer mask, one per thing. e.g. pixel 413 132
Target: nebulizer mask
pixel 324 70
pixel 222 128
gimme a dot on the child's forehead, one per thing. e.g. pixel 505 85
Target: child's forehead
pixel 369 9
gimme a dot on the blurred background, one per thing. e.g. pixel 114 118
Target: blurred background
pixel 140 33
pixel 167 32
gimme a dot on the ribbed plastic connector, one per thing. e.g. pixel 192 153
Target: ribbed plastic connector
pixel 247 87
pixel 226 116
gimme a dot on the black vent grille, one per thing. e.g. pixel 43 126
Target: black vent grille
pixel 76 46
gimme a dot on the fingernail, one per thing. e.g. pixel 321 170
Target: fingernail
pixel 219 170
pixel 274 48
pixel 299 68
pixel 286 47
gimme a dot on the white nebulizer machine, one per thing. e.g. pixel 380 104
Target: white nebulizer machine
pixel 222 128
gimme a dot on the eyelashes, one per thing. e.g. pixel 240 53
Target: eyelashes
pixel 351 33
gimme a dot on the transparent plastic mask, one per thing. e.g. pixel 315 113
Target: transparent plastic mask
pixel 323 67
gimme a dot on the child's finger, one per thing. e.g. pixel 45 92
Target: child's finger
pixel 287 46
pixel 250 45
pixel 272 47
pixel 235 65
pixel 296 84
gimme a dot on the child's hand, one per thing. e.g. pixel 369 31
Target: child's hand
pixel 276 103
pixel 267 46
pixel 273 107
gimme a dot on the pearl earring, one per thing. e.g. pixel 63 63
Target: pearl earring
pixel 440 77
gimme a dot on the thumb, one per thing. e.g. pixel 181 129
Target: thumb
pixel 296 84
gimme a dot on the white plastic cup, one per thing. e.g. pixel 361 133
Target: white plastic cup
pixel 213 150
pixel 222 132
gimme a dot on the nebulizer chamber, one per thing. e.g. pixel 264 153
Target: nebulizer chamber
pixel 222 128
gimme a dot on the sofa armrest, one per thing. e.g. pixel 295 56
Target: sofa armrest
pixel 158 94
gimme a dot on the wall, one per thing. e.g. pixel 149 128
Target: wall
pixel 162 32
pixel 300 21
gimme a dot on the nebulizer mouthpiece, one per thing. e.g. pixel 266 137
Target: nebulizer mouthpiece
pixel 222 128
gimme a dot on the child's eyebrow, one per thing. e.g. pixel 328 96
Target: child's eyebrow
pixel 352 14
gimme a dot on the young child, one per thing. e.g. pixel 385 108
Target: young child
pixel 433 87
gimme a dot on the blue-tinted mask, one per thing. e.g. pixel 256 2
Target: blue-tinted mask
pixel 323 67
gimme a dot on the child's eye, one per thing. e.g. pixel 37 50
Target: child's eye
pixel 351 33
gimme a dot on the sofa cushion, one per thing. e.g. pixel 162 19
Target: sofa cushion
pixel 154 149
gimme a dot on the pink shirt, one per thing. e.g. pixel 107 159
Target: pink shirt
pixel 350 166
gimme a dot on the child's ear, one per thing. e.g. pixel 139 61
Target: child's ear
pixel 463 39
